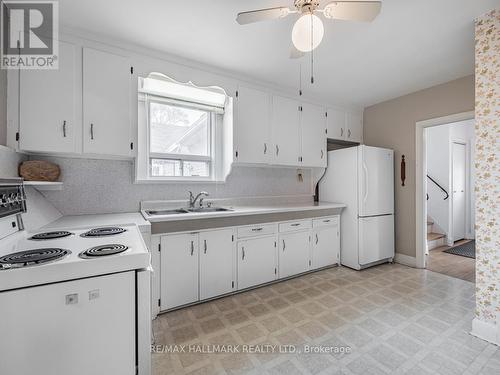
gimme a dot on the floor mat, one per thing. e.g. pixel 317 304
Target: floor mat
pixel 465 250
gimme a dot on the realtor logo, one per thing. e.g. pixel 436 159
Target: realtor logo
pixel 29 34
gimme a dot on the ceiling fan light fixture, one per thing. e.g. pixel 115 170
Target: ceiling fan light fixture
pixel 301 32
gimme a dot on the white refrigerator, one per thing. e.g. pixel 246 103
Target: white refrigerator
pixel 362 177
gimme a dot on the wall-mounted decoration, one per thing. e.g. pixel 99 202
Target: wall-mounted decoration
pixel 403 170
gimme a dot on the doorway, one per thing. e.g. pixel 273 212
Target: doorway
pixel 444 199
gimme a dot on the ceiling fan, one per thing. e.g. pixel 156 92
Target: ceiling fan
pixel 308 30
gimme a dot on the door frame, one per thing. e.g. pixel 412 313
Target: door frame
pixel 420 177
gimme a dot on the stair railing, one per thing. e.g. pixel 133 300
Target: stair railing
pixel 440 187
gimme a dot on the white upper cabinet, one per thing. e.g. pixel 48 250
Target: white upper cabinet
pixel 252 126
pixel 285 129
pixel 313 135
pixel 336 124
pixel 106 103
pixel 354 127
pixel 48 106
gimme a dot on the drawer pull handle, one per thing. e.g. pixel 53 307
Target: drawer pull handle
pixel 326 221
pixel 257 229
pixel 295 224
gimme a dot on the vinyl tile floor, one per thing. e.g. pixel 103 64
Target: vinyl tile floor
pixel 386 319
pixel 450 264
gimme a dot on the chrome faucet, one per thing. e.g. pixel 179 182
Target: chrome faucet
pixel 193 199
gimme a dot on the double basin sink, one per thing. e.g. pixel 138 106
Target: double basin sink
pixel 187 211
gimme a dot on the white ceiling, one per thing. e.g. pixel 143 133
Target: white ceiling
pixel 413 44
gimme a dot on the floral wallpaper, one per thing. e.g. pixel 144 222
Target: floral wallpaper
pixel 487 187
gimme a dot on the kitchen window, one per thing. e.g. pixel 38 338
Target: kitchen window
pixel 181 130
pixel 180 140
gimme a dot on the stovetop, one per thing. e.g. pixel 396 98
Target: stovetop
pixel 28 259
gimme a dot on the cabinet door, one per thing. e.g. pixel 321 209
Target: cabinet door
pixel 216 263
pixel 313 135
pixel 326 246
pixel 294 253
pixel 256 261
pixel 285 128
pixel 179 270
pixel 354 127
pixel 336 124
pixel 252 126
pixel 106 103
pixel 48 106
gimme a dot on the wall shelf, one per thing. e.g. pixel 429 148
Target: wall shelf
pixel 44 185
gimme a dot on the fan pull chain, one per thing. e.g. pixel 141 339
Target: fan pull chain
pixel 300 79
pixel 312 50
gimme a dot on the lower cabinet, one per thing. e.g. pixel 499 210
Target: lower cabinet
pixel 211 263
pixel 256 261
pixel 326 246
pixel 179 270
pixel 216 263
pixel 294 253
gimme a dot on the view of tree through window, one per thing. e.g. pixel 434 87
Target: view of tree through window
pixel 179 140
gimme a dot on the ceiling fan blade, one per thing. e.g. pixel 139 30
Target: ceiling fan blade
pixel 244 18
pixel 364 11
pixel 295 53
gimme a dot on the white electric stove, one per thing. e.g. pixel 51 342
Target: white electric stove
pixel 80 293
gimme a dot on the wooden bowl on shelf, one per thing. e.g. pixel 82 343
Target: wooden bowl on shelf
pixel 39 170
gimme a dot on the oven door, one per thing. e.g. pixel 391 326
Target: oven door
pixel 78 327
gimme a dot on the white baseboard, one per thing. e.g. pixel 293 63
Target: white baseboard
pixel 406 260
pixel 486 331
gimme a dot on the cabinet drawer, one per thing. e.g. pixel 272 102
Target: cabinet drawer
pixel 256 230
pixel 325 221
pixel 295 225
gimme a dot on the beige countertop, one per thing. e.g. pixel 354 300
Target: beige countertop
pixel 245 211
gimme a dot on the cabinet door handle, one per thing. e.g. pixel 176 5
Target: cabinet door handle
pixel 205 246
pixel 192 248
pixel 341 132
pixel 322 154
pixel 92 131
pixel 277 150
pixel 284 245
pixel 317 239
pixel 257 229
pixel 349 133
pixel 242 253
pixel 265 148
pixel 64 128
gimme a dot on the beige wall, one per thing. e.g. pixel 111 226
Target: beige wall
pixel 391 124
pixel 3 107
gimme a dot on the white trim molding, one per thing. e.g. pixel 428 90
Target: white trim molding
pixel 420 171
pixel 486 331
pixel 405 260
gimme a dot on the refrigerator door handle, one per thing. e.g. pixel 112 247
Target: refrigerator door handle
pixel 365 171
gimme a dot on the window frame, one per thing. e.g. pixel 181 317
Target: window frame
pixel 210 159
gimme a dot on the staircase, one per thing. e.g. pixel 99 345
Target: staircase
pixel 434 239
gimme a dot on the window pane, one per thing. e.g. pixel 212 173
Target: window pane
pixel 196 168
pixel 178 130
pixel 165 168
